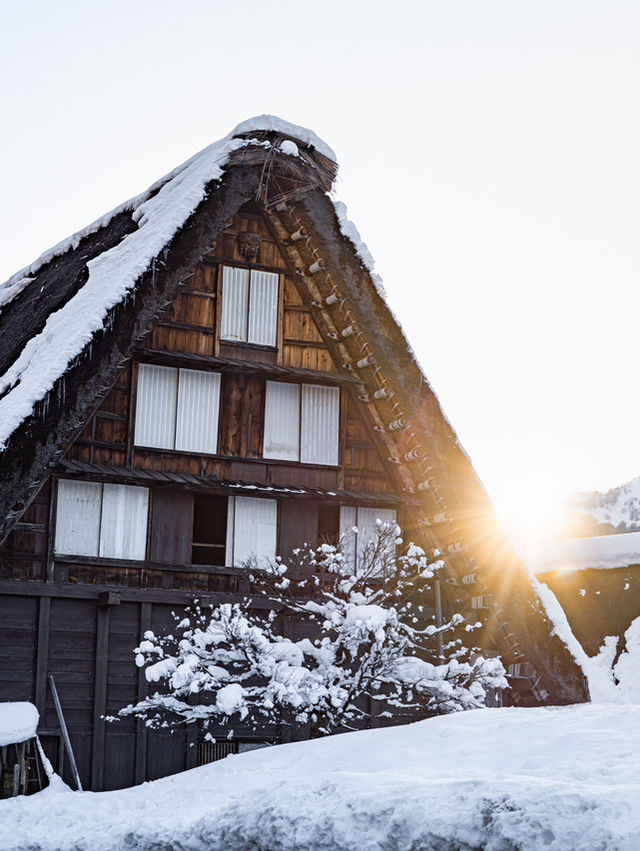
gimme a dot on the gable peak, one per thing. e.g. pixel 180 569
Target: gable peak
pixel 294 132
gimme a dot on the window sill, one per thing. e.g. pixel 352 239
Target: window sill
pixel 253 346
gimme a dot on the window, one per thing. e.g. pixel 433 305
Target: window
pixel 209 529
pixel 231 530
pixel 249 306
pixel 252 529
pixel 177 409
pixel 301 423
pixel 101 520
pixel 358 527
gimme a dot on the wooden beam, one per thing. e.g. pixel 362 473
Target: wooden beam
pixel 141 729
pixel 42 656
pixel 100 699
pixel 152 595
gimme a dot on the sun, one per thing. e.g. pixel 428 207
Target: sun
pixel 530 517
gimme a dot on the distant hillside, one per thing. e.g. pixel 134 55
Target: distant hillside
pixel 617 510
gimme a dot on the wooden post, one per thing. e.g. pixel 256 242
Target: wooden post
pixel 141 730
pixel 51 531
pixel 100 698
pixel 42 656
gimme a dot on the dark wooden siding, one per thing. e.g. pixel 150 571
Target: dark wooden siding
pixel 171 526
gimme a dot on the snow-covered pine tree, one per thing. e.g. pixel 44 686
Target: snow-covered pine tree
pixel 370 637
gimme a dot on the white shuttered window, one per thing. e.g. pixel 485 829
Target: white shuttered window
pixel 320 424
pixel 282 421
pixel 177 409
pixel 123 530
pixel 252 529
pixel 198 411
pixel 249 306
pixel 156 406
pixel 235 303
pixel 301 423
pixel 78 518
pixel 95 519
pixel 358 529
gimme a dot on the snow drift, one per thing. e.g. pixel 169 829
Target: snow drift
pixel 553 778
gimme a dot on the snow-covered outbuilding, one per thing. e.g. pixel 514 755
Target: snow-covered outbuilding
pixel 21 768
pixel 210 370
pixel 597 582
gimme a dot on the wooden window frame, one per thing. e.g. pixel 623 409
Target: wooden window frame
pixel 175 413
pixel 62 555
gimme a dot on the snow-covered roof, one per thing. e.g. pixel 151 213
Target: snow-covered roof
pixel 284 128
pixel 159 213
pixel 18 722
pixel 605 551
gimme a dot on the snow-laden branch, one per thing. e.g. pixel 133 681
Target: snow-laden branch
pixel 369 634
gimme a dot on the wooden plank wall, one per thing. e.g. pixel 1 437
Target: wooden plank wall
pixel 88 647
pixel 107 437
pixel 189 327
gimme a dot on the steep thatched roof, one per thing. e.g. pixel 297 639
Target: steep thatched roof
pixel 70 321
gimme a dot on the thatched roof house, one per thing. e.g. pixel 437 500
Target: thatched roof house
pixel 143 285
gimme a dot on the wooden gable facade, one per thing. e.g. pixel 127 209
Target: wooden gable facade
pixel 256 394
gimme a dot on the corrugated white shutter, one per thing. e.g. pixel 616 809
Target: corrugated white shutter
pixel 348 538
pixel 198 411
pixel 235 297
pixel 367 533
pixel 156 406
pixel 320 424
pixel 282 421
pixel 255 529
pixel 78 518
pixel 364 519
pixel 263 308
pixel 123 533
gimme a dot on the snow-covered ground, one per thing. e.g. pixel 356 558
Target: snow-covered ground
pixel 555 778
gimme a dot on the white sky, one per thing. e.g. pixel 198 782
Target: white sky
pixel 489 155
